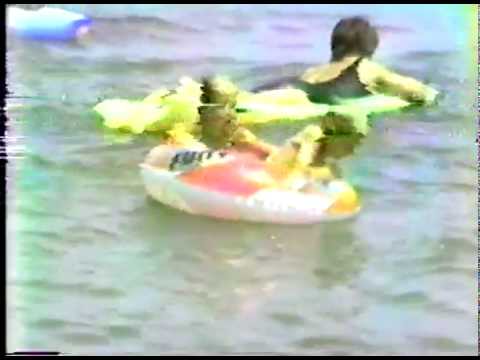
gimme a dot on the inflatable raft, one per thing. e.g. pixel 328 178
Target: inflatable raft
pixel 239 185
pixel 163 109
pixel 47 24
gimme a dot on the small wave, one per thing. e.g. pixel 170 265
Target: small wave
pixel 85 338
pixel 331 344
pixel 117 25
pixel 445 345
pixel 123 332
pixel 284 28
pixel 106 292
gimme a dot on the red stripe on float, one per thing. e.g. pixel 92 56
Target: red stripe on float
pixel 226 178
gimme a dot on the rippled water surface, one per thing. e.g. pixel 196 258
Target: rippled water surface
pixel 96 267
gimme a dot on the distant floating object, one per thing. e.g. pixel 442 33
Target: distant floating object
pixel 47 24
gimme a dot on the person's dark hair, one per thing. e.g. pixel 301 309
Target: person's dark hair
pixel 353 36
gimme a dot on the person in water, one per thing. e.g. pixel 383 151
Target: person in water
pixel 351 72
pixel 220 128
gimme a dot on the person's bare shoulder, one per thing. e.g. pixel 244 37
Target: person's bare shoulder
pixel 327 72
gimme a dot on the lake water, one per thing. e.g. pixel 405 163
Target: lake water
pixel 97 267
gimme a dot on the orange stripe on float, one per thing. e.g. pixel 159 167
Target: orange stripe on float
pixel 228 178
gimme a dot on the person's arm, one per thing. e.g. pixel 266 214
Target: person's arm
pixel 299 150
pixel 383 81
pixel 244 137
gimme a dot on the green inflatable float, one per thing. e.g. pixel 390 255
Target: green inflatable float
pixel 163 110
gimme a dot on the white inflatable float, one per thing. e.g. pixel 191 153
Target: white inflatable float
pixel 239 186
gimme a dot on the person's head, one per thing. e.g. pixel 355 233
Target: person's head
pixel 218 118
pixel 353 36
pixel 218 123
pixel 219 90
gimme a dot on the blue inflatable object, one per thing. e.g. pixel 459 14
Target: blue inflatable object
pixel 47 24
